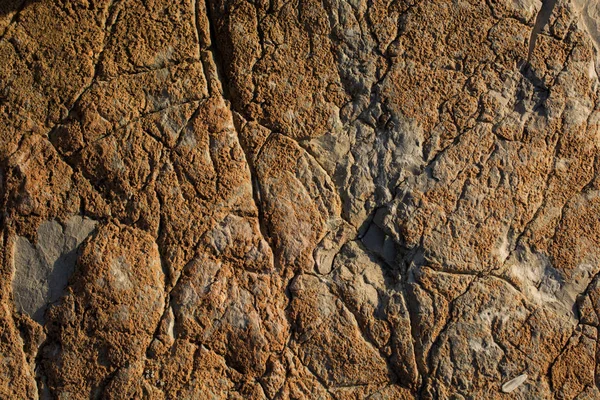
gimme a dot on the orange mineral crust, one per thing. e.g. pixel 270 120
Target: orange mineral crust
pixel 336 199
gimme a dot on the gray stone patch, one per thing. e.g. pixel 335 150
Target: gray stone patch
pixel 514 383
pixel 590 16
pixel 42 269
pixel 377 241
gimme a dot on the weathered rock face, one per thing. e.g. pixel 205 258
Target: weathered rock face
pixel 312 199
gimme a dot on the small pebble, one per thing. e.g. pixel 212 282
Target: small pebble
pixel 514 383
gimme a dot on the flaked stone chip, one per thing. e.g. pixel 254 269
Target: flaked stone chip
pixel 514 383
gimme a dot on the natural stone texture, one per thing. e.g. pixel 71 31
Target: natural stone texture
pixel 313 199
pixel 104 323
pixel 42 270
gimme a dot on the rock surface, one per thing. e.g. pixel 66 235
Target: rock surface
pixel 385 199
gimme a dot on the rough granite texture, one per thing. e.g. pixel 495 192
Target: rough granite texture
pixel 313 199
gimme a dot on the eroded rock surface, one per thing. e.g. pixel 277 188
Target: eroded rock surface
pixel 42 270
pixel 311 199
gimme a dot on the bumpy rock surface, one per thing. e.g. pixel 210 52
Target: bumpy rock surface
pixel 315 199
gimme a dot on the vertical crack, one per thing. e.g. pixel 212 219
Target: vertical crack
pixel 221 86
pixel 542 19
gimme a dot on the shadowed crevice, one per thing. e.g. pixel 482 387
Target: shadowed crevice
pixel 541 21
pixel 9 6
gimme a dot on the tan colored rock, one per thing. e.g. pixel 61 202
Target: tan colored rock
pixel 311 200
pixel 119 288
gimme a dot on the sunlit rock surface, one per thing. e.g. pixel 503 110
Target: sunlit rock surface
pixel 299 200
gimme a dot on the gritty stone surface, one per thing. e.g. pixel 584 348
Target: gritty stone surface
pixel 316 199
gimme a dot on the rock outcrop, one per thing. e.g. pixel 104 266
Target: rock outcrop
pixel 299 200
